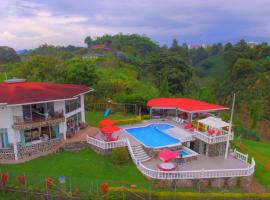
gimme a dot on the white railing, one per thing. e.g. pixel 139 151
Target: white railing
pixel 241 156
pixel 197 174
pixel 211 139
pixel 105 145
pixel 131 153
pixel 193 174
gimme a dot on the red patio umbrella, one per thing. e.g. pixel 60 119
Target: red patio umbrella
pixel 109 129
pixel 106 122
pixel 167 155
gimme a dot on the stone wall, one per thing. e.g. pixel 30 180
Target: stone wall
pixel 216 149
pixel 7 154
pixel 26 151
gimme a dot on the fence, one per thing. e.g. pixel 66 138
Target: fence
pixel 178 175
pixel 115 107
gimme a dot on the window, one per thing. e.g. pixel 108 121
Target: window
pixel 31 135
pixel 40 134
pixel 4 138
pixel 72 105
pixel 74 121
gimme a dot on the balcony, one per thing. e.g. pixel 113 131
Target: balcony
pixel 212 139
pixel 21 122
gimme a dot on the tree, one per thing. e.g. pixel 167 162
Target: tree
pixel 81 71
pixel 255 113
pixel 164 88
pixel 39 68
pixel 88 40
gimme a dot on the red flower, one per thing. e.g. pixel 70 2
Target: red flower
pixel 49 181
pixel 104 188
pixel 21 180
pixel 4 178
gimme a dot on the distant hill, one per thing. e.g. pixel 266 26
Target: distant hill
pixel 8 55
pixel 21 52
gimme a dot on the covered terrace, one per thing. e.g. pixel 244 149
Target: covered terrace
pixel 182 108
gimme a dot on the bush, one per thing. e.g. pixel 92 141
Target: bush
pixel 167 195
pixel 135 120
pixel 248 133
pixel 119 156
pixel 145 117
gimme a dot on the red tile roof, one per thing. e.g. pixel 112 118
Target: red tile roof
pixel 184 104
pixel 33 92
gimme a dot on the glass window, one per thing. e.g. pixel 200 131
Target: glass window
pixel 4 143
pixel 72 105
pixel 31 135
pixel 74 121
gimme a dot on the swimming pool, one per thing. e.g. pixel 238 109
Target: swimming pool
pixel 184 152
pixel 153 136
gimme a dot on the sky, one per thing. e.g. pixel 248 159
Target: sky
pixel 27 24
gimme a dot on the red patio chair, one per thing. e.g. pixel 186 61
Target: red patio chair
pixel 188 125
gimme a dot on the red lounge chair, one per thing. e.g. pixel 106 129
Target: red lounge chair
pixel 211 132
pixel 188 125
pixel 110 138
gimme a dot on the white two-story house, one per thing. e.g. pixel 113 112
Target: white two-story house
pixel 35 116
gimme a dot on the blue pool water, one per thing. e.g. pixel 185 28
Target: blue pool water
pixel 184 152
pixel 153 135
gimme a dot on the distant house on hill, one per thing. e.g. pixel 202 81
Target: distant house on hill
pixel 100 47
pixel 91 55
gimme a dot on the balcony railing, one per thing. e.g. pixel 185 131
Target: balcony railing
pixel 212 139
pixel 21 122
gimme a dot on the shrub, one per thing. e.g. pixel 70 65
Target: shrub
pixel 267 165
pixel 4 178
pixel 119 156
pixel 129 121
pixel 167 195
pixel 104 188
pixel 145 117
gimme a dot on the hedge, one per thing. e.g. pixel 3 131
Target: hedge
pixel 134 120
pixel 129 194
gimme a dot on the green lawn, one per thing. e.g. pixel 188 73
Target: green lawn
pixel 92 118
pixel 85 169
pixel 261 152
pixel 2 77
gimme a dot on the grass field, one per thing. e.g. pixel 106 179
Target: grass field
pixel 261 152
pixel 2 77
pixel 93 118
pixel 82 169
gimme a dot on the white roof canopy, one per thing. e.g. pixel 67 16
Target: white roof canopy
pixel 214 122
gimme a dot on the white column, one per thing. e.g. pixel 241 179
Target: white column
pixel 82 108
pixel 15 150
pixel 230 130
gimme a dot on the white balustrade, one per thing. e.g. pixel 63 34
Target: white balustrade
pixel 197 174
pixel 106 145
pixel 241 156
pixel 193 174
pixel 212 139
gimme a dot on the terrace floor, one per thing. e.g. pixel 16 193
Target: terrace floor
pixel 202 161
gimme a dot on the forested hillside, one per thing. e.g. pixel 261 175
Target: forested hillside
pixel 133 68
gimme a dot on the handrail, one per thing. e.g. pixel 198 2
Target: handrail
pixel 196 174
pixel 192 174
pixel 241 156
pixel 211 139
pixel 105 145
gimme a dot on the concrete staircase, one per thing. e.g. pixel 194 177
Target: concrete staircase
pixel 140 154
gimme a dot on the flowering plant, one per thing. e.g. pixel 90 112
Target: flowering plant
pixel 104 188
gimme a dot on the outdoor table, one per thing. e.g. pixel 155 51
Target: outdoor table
pixel 167 166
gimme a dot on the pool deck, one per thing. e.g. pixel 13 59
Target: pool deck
pixel 202 161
